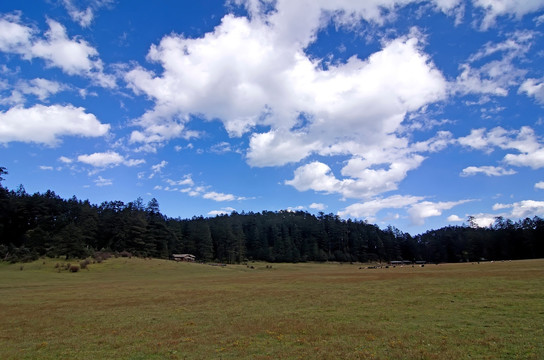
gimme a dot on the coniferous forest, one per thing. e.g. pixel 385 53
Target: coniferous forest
pixel 38 225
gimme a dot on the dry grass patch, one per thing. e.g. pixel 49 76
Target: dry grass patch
pixel 152 309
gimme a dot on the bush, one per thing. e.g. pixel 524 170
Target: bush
pixel 83 264
pixel 74 268
pixel 100 256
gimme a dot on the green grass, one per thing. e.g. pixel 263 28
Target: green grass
pixel 154 309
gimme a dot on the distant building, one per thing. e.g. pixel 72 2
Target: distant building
pixel 184 257
pixel 401 262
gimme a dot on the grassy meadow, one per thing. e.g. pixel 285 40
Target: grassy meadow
pixel 155 309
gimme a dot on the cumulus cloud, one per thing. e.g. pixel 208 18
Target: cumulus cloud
pixel 530 151
pixel 362 181
pixel 487 170
pixel 215 196
pixel 46 124
pixel 455 218
pixel 514 211
pixel 369 209
pixel 65 160
pixel 108 159
pixel 318 206
pixel 420 211
pixel 73 55
pixel 539 185
pixel 224 211
pixel 104 159
pixel 254 71
pixel 253 74
pixel 533 87
pixel 522 209
pixel 41 88
pixel 250 72
pixel 14 37
pixel 482 220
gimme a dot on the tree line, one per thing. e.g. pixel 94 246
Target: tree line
pixel 44 224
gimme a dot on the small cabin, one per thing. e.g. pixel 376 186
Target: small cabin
pixel 184 257
pixel 400 262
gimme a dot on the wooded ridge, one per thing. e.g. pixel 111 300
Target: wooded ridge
pixel 47 225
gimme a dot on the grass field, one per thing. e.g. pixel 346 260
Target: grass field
pixel 154 309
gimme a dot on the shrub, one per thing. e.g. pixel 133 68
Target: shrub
pixel 74 268
pixel 100 256
pixel 125 254
pixel 83 264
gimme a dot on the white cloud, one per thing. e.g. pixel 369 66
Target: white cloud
pixel 83 17
pixel 496 8
pixel 534 159
pixel 14 37
pixel 483 220
pixel 198 191
pixel 522 209
pixel 276 148
pixel 514 211
pixel 108 159
pixel 315 176
pixel 74 56
pixel 185 181
pixel 363 181
pixel 455 218
pixel 253 72
pixel 497 76
pixel 43 167
pixel 157 168
pixel 45 124
pixel 525 141
pixel 66 160
pixel 103 182
pixel 420 211
pixel 221 148
pixel 369 209
pixel 41 88
pixel 487 170
pixel 539 185
pixel 533 87
pixel 318 206
pixel 104 159
pixel 133 162
pixel 223 211
pixel 215 196
pixel 295 208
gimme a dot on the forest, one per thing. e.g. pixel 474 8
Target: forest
pixel 36 225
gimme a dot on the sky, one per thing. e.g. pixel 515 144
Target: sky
pixel 413 113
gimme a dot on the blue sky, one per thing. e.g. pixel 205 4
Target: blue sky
pixel 411 113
